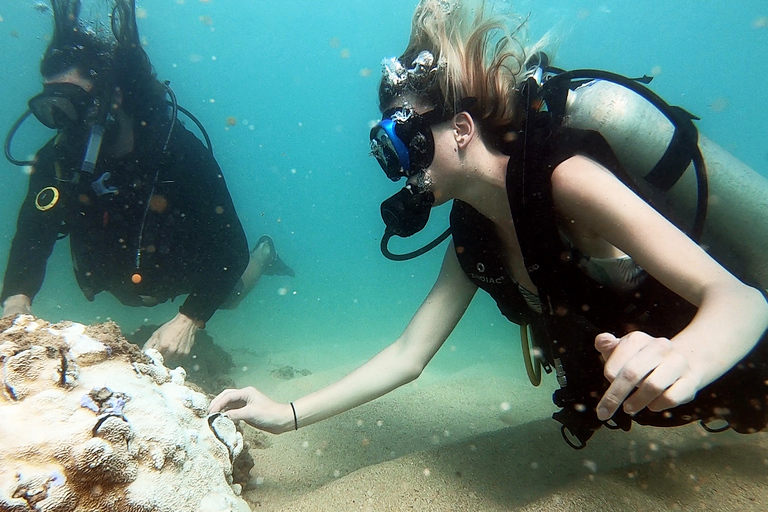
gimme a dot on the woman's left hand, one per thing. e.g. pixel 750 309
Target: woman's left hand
pixel 660 376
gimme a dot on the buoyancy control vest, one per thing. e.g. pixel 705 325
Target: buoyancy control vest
pixel 576 308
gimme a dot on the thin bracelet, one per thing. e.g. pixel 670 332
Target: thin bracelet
pixel 295 419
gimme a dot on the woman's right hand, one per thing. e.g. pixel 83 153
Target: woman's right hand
pixel 255 408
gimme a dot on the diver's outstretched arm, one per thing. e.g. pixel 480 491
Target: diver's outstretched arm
pixel 399 363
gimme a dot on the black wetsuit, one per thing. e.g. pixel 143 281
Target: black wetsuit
pixel 576 308
pixel 190 238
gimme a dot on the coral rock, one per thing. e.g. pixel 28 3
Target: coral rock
pixel 88 422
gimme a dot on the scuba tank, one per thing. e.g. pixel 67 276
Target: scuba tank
pixel 714 197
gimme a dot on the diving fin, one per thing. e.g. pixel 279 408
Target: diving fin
pixel 276 267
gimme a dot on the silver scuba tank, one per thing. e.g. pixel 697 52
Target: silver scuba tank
pixel 736 226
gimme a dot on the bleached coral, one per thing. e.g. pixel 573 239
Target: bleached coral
pixel 88 422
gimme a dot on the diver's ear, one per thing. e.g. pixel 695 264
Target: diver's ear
pixel 463 129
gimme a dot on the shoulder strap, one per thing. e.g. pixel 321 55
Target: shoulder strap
pixel 682 150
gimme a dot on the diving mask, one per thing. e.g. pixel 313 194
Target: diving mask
pixel 63 105
pixel 402 141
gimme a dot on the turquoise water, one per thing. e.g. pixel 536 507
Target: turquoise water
pixel 300 80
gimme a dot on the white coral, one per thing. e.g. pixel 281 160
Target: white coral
pixel 105 437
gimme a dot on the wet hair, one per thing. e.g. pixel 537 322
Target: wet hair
pixel 479 54
pixel 110 61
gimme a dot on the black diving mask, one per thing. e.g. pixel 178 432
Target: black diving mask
pixel 402 141
pixel 63 105
pixel 69 107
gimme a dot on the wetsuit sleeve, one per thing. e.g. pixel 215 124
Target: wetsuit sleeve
pixel 36 234
pixel 223 249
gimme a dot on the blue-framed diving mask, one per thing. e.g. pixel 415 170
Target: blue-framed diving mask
pixel 404 146
pixel 402 141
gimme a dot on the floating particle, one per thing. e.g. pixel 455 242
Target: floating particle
pixel 195 58
pixel 206 20
pixel 231 121
pixel 305 444
pixel 505 406
pixel 590 465
pixel 365 72
pixel 426 472
pixel 583 14
pixel 345 53
pixel 336 473
pixel 141 13
pixel 760 22
pixel 282 291
pixel 41 7
pixel 158 203
pixel 14 34
pixel 219 210
pixel 719 104
pixel 334 42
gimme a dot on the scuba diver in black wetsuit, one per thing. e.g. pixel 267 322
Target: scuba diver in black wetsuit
pixel 635 318
pixel 143 201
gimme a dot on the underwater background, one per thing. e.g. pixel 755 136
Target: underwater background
pixel 287 93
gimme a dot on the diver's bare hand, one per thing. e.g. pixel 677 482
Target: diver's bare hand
pixel 174 338
pixel 17 305
pixel 649 369
pixel 255 408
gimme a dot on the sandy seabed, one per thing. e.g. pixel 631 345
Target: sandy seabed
pixel 481 438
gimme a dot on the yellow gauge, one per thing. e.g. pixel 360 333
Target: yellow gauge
pixel 47 198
